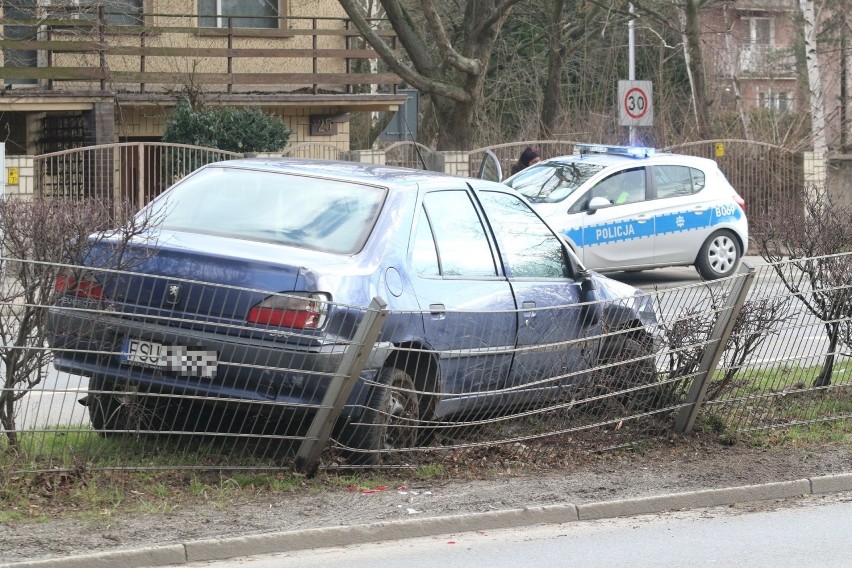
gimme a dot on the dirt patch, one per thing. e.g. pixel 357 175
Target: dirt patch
pixel 474 481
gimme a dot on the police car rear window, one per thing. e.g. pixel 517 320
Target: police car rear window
pixel 676 181
pixel 553 181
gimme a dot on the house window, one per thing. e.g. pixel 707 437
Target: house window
pixel 242 13
pixel 781 102
pixel 758 43
pixel 20 10
pixel 760 31
pixel 116 12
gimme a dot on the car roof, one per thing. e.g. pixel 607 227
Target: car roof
pixel 354 172
pixel 607 160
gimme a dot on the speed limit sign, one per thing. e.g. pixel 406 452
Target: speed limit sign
pixel 635 103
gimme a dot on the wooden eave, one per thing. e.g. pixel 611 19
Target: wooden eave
pixel 28 100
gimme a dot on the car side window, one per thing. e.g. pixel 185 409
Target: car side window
pixel 621 188
pixel 459 238
pixel 676 181
pixel 529 247
pixel 424 256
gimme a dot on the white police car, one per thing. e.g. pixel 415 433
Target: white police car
pixel 629 208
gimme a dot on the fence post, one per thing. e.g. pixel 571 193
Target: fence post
pixel 341 386
pixel 715 346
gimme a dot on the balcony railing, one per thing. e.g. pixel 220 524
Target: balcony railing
pixel 767 5
pixel 756 61
pixel 167 52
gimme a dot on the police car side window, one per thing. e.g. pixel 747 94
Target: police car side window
pixel 623 187
pixel 677 181
pixel 698 180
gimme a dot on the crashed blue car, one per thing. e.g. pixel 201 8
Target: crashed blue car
pixel 253 275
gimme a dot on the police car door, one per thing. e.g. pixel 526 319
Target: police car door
pixel 683 216
pixel 621 235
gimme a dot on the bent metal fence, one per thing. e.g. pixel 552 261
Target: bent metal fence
pixel 217 391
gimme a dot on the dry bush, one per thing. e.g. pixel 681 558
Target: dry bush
pixel 809 246
pixel 38 239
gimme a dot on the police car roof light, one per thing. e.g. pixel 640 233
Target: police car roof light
pixel 631 151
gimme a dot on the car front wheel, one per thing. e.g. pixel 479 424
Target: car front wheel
pixel 719 256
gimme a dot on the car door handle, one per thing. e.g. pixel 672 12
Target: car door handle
pixel 642 218
pixel 699 209
pixel 528 305
pixel 438 311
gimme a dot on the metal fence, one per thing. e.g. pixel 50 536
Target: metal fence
pixel 139 171
pixel 744 352
pixel 132 172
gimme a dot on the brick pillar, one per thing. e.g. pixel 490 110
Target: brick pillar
pixel 368 157
pixel 99 128
pixel 455 163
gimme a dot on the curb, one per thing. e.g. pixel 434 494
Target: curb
pixel 223 549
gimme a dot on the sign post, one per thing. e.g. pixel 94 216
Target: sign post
pixel 635 103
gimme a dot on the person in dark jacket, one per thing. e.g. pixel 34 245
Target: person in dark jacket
pixel 528 157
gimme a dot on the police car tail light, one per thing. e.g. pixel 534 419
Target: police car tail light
pixel 631 151
pixel 741 202
pixel 296 311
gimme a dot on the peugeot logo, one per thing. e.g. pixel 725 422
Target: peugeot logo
pixel 173 294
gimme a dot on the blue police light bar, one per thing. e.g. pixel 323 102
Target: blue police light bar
pixel 631 151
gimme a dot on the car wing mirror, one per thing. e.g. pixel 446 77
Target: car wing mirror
pixel 596 203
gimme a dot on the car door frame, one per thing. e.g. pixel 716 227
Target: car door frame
pixel 471 372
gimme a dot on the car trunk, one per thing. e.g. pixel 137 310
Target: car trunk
pixel 192 277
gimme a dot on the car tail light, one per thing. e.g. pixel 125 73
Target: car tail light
pixel 740 201
pixel 80 285
pixel 296 311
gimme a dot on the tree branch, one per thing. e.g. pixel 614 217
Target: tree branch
pixel 445 48
pixel 408 74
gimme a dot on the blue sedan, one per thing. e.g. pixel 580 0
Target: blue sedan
pixel 252 276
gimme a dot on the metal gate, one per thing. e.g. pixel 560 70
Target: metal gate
pixel 131 172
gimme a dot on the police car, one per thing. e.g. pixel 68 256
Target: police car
pixel 631 208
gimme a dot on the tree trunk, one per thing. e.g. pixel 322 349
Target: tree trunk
pixel 551 109
pixel 815 98
pixel 695 64
pixel 824 377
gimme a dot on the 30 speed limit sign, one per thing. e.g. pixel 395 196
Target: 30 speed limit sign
pixel 635 103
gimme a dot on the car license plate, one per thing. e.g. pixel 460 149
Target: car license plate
pixel 175 358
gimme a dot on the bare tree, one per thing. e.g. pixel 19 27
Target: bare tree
pixel 40 240
pixel 807 244
pixel 448 59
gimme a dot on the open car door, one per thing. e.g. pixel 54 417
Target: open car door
pixel 490 168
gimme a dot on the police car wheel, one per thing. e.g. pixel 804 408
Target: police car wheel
pixel 719 256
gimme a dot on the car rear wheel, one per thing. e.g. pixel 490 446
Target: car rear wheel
pixel 390 422
pixel 719 256
pixel 114 411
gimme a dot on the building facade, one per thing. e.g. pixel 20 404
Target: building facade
pixel 756 61
pixel 89 72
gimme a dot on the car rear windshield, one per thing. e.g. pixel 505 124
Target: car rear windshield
pixel 306 212
pixel 550 182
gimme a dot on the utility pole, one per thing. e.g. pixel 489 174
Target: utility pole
pixel 631 66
